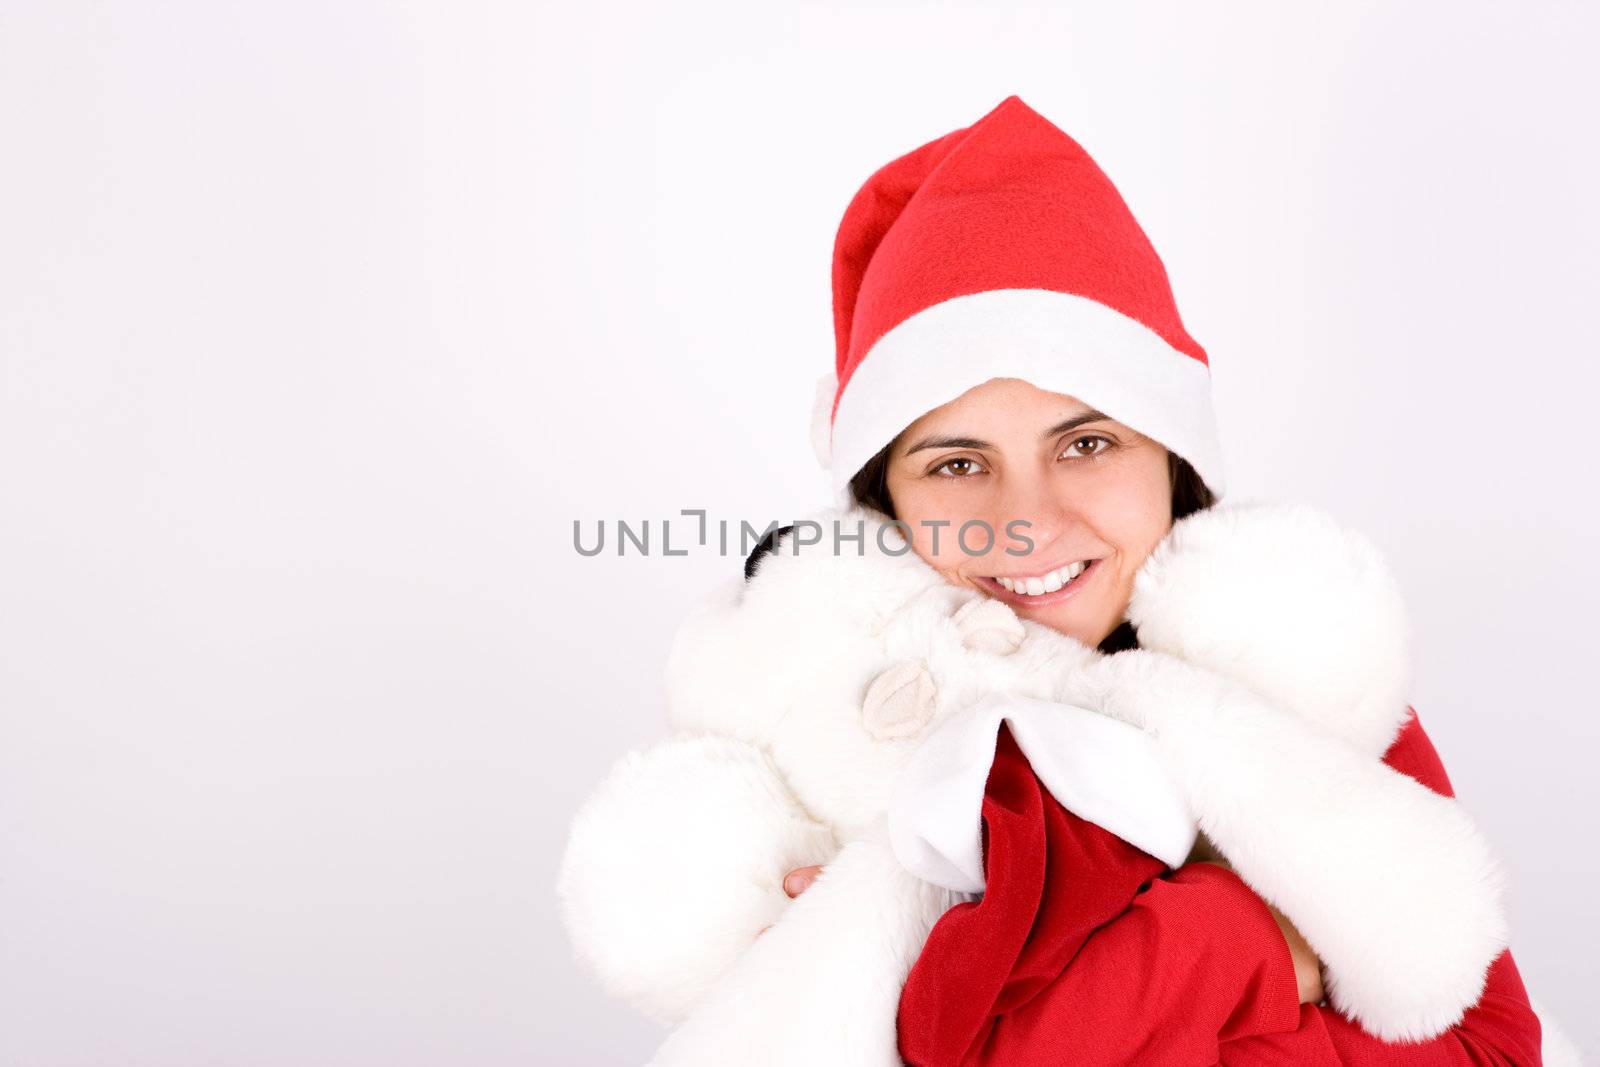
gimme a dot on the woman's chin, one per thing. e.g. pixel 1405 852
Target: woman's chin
pixel 1073 620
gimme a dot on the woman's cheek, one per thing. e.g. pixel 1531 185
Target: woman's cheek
pixel 936 543
pixel 956 555
pixel 1134 501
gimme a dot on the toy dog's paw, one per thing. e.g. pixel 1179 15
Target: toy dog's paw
pixel 900 701
pixel 989 626
pixel 1284 600
pixel 676 862
pixel 1142 688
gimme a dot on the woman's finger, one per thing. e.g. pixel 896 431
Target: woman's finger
pixel 796 881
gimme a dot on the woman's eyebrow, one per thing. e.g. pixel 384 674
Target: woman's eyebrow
pixel 1074 422
pixel 972 442
pixel 947 442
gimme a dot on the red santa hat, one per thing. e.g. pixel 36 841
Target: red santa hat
pixel 1001 250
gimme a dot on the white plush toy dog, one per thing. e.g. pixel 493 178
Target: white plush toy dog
pixel 840 709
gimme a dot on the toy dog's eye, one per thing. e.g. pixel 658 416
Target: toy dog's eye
pixel 767 544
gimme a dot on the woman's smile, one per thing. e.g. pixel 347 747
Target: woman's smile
pixel 1040 589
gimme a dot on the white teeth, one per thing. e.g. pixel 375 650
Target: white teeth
pixel 1047 583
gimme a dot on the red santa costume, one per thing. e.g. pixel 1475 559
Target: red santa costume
pixel 1002 250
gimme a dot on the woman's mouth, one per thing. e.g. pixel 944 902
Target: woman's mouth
pixel 1037 590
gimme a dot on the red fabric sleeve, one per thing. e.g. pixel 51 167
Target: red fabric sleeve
pixel 1084 950
pixel 1500 1029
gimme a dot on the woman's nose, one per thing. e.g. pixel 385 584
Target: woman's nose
pixel 1046 517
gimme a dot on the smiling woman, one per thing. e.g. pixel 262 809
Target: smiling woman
pixel 1014 390
pixel 1010 355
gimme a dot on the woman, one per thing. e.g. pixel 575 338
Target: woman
pixel 1009 350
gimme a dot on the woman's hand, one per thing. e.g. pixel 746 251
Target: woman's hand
pixel 796 881
pixel 1307 967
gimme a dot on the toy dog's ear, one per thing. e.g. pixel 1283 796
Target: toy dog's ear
pixel 763 547
pixel 900 701
pixel 989 626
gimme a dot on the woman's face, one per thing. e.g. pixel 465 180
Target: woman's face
pixel 1090 489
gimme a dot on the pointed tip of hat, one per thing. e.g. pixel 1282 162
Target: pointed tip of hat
pixel 1010 103
pixel 1015 112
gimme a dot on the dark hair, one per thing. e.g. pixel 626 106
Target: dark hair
pixel 870 487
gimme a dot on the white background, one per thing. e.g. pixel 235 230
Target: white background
pixel 322 323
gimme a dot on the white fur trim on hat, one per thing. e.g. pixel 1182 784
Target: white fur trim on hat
pixel 1057 341
pixel 822 418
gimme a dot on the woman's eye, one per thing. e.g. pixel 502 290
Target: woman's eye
pixel 960 467
pixel 1076 449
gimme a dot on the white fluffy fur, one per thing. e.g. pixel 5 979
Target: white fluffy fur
pixel 747 833
pixel 823 986
pixel 1281 682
